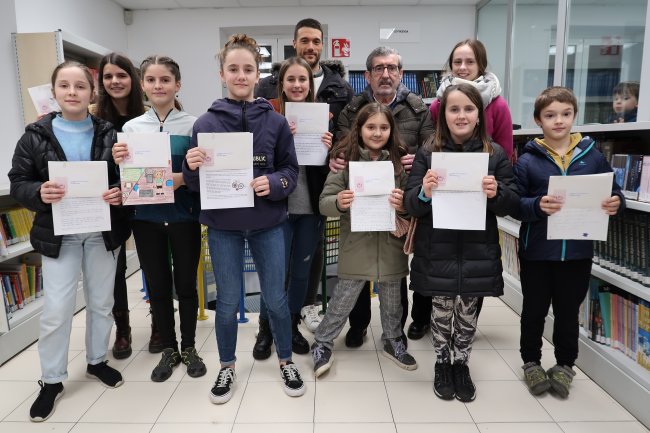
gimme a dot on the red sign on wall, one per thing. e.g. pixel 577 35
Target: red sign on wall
pixel 340 47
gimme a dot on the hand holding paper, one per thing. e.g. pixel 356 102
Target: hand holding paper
pixel 371 186
pixel 195 157
pixel 52 191
pixel 344 199
pixel 308 122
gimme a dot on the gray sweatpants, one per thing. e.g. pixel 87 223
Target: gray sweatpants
pixel 453 325
pixel 342 301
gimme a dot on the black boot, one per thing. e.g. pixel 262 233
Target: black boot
pixel 122 347
pixel 298 343
pixel 155 344
pixel 262 348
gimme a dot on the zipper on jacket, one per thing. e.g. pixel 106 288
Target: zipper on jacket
pixel 244 122
pixel 162 121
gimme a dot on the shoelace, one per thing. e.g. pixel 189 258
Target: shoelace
pixel 535 375
pixel 190 356
pixel 318 353
pixel 399 348
pixel 225 377
pixel 312 314
pixel 291 373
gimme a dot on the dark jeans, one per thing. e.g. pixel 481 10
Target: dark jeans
pixel 316 271
pixel 153 242
pixel 119 290
pixel 422 306
pixel 563 285
pixel 360 314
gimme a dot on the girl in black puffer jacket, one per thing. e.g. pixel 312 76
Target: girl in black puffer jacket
pixel 72 135
pixel 457 267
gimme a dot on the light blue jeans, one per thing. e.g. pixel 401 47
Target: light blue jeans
pixel 87 253
pixel 227 255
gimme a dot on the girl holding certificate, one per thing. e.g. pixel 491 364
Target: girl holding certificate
pixel 305 226
pixel 366 256
pixel 456 267
pixel 119 99
pixel 275 169
pixel 71 135
pixel 161 229
pixel 554 272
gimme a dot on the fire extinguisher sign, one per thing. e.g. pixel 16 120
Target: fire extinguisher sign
pixel 340 47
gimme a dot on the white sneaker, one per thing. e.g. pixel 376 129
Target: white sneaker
pixel 311 316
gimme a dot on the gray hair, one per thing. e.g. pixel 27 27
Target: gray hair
pixel 382 52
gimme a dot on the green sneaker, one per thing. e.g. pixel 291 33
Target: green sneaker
pixel 536 378
pixel 560 377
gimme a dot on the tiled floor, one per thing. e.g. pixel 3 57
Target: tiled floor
pixel 363 392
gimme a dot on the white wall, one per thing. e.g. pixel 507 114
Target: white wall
pixel 192 37
pixel 99 21
pixel 11 123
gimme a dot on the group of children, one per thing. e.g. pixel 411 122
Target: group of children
pixel 455 267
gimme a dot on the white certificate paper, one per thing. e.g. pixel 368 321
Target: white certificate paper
pixel 226 174
pixel 311 120
pixel 581 216
pixel 372 184
pixel 43 99
pixel 146 173
pixel 459 202
pixel 82 209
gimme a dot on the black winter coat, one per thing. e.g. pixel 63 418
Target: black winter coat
pixel 29 171
pixel 459 262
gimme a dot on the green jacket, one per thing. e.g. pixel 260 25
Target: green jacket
pixel 369 256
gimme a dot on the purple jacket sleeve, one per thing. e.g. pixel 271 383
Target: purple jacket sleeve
pixel 190 177
pixel 285 177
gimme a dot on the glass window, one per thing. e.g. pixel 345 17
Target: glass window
pixel 605 48
pixel 492 31
pixel 532 67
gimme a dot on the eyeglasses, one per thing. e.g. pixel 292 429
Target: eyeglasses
pixel 379 69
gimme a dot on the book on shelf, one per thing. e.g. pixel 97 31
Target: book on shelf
pixel 21 282
pixel 643 348
pixel 644 184
pixel 633 176
pixel 15 225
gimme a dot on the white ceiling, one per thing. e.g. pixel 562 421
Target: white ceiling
pixel 183 4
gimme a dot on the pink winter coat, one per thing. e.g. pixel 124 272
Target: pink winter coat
pixel 498 122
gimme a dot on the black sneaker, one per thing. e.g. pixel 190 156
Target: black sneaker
pixel 293 384
pixel 43 407
pixel 322 357
pixel 108 376
pixel 163 371
pixel 443 382
pixel 465 389
pixel 221 392
pixel 395 350
pixel 354 337
pixel 195 365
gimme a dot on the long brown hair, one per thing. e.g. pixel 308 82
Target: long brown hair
pixel 480 54
pixel 105 108
pixel 442 134
pixel 283 71
pixel 171 65
pixel 352 143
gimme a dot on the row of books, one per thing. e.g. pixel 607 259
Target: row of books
pixel 15 225
pixel 509 253
pixel 618 319
pixel 627 249
pixel 426 87
pixel 21 283
pixel 632 173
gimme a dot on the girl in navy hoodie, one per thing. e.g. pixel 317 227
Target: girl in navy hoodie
pixel 275 169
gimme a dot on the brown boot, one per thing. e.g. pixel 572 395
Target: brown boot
pixel 155 345
pixel 122 346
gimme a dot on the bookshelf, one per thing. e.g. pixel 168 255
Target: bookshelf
pixel 627 381
pixel 421 82
pixel 37 54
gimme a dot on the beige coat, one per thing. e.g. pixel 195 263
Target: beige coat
pixel 369 256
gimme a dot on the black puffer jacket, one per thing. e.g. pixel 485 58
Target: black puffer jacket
pixel 334 89
pixel 411 116
pixel 459 262
pixel 29 171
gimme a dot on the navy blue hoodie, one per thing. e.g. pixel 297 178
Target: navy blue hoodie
pixel 274 156
pixel 532 172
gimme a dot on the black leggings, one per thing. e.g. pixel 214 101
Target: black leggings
pixel 119 291
pixel 154 241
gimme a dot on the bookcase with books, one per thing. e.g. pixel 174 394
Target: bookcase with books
pixel 615 316
pixel 423 83
pixel 37 54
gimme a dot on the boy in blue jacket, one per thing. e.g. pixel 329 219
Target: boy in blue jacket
pixel 554 272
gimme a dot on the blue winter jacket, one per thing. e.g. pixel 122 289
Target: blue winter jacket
pixel 274 155
pixel 532 172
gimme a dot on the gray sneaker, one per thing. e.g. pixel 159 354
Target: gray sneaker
pixel 395 350
pixel 560 377
pixel 322 358
pixel 536 378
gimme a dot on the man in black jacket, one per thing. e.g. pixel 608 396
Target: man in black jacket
pixel 384 73
pixel 328 76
